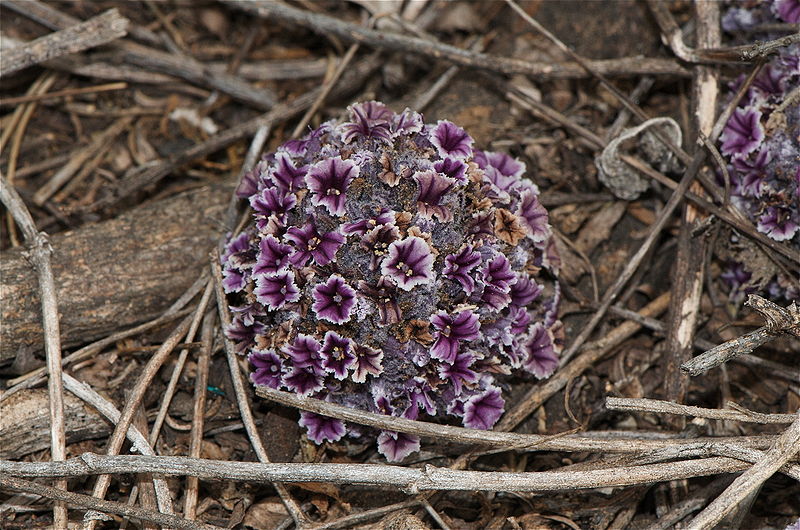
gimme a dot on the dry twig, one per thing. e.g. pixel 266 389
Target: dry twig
pixel 40 250
pixel 96 31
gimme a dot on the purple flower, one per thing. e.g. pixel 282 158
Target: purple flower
pixel 458 267
pixel 497 277
pixel 452 167
pixel 787 10
pixel 243 336
pixel 743 133
pixel 251 181
pixel 778 223
pixel 451 140
pixel 377 242
pixel 542 359
pixel 450 329
pixel 409 263
pixel 363 226
pixel 305 380
pixel 287 176
pixel 333 300
pixel 420 397
pixel 337 354
pixel 267 366
pixel 735 275
pixel 276 290
pixel 304 351
pixel 432 188
pixel 769 80
pixel 406 123
pixel 524 291
pixel 273 256
pixel 483 410
pixel 503 171
pixel 369 120
pixel 395 446
pixel 533 215
pixel 233 280
pixel 368 361
pixel 271 204
pixel 384 295
pixel 328 180
pixel 239 252
pixel 459 373
pixel 309 244
pixel 520 318
pixel 321 428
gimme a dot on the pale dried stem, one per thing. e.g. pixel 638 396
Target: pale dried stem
pixel 410 480
pixel 785 447
pixel 85 501
pixel 667 407
pixel 39 248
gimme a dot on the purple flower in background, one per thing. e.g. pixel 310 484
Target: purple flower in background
pixel 409 263
pixel 322 428
pixel 453 168
pixel 787 10
pixel 333 300
pixel 459 266
pixel 743 133
pixel 267 366
pixel 328 180
pixel 395 446
pixel 735 275
pixel 450 330
pixel 542 359
pixel 451 140
pixel 777 223
pixel 459 373
pixel 389 267
pixel 276 290
pixel 368 361
pixel 337 354
pixel 286 176
pixel 369 120
pixel 309 244
pixel 483 410
pixel 432 188
pixel 273 256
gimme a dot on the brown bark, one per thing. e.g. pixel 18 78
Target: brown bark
pixel 114 274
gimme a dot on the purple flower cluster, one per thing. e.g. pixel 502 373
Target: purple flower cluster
pixel 761 145
pixel 393 268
